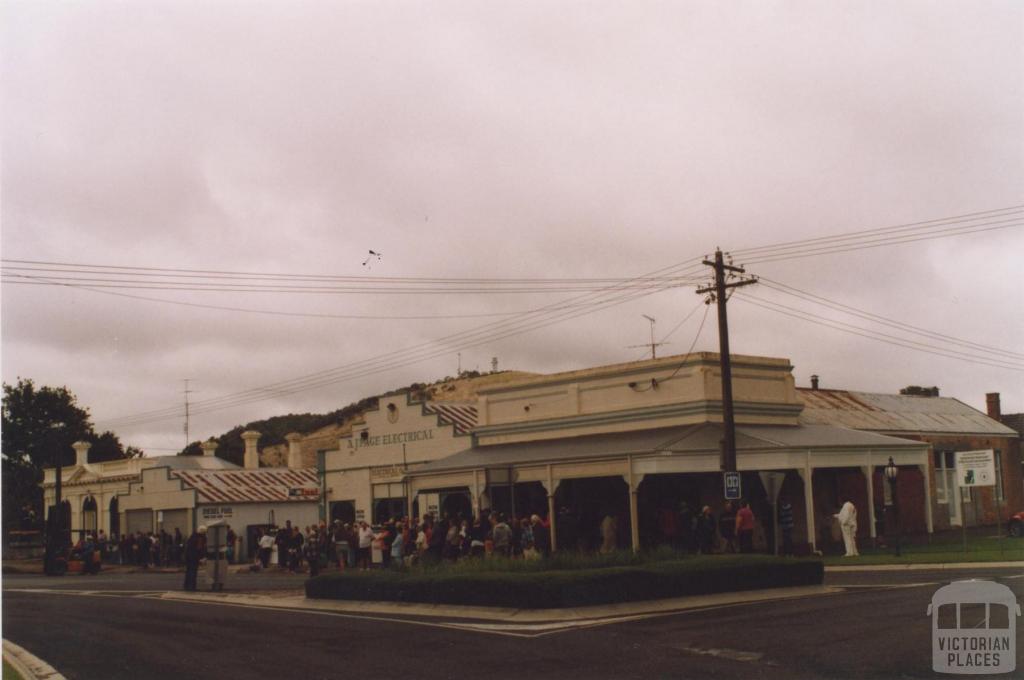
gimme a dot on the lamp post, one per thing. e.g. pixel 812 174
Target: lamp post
pixel 891 472
pixel 55 543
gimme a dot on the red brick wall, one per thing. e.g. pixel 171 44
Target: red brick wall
pixel 1013 482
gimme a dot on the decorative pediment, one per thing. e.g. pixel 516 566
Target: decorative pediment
pixel 84 473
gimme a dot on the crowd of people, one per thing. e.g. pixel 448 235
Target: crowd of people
pixel 159 549
pixel 404 541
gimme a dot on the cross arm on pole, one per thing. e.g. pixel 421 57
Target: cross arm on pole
pixel 735 284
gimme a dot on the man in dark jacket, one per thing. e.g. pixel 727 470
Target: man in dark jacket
pixel 195 551
pixel 541 536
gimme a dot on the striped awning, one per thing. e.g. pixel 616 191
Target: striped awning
pixel 277 485
pixel 462 416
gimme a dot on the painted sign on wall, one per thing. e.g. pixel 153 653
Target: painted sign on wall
pixel 214 512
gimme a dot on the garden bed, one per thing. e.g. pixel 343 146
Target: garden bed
pixel 541 585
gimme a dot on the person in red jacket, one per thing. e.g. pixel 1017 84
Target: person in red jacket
pixel 745 528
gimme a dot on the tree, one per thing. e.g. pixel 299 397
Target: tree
pixel 38 425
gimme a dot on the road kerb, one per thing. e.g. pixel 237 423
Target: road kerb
pixel 28 665
pixel 937 566
pixel 507 614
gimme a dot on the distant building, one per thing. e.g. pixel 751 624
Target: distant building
pixel 165 493
pixel 91 493
pixel 947 425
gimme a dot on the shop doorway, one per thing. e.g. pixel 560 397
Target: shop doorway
pixel 89 515
pixel 343 511
pixel 456 504
pixel 115 519
pixel 590 500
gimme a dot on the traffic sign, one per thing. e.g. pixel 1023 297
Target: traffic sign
pixel 733 488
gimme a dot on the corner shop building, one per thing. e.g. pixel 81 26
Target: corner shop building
pixel 629 439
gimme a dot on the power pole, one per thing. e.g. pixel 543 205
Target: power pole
pixel 718 293
pixel 187 392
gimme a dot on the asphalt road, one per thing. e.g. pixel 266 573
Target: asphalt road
pixel 877 628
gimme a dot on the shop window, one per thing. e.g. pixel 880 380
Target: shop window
pixel 945 476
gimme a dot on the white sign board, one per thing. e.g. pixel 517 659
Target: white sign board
pixel 733 485
pixel 976 468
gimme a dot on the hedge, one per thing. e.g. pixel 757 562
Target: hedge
pixel 543 589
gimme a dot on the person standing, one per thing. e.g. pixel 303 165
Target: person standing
pixel 745 527
pixel 502 537
pixel 541 536
pixel 283 540
pixel 848 525
pixel 727 528
pixel 705 531
pixel 266 544
pixel 786 524
pixel 195 551
pixel 609 533
pixel 365 545
pixel 567 528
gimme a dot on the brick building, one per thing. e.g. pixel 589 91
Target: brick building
pixel 948 425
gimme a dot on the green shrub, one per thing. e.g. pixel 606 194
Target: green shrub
pixel 551 583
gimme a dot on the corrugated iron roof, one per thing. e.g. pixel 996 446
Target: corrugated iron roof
pixel 895 413
pixel 252 486
pixel 462 416
pixel 702 438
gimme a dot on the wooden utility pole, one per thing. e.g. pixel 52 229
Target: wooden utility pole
pixel 718 293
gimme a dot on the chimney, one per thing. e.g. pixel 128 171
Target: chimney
pixel 252 456
pixel 995 411
pixel 82 452
pixel 294 450
pixel 209 448
pixel 814 382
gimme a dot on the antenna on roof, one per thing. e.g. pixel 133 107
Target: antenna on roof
pixel 653 345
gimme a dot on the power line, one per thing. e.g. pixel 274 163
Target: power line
pixel 884 241
pixel 967 217
pixel 542 317
pixel 545 316
pixel 361 368
pixel 892 323
pixel 875 335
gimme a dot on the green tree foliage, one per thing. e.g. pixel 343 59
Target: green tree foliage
pixel 39 424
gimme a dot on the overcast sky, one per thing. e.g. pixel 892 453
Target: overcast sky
pixel 529 140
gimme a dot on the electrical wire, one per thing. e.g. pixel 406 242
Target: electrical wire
pixel 874 335
pixel 544 316
pixel 492 332
pixel 892 323
pixel 850 235
pixel 686 357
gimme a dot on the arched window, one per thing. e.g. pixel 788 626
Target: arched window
pixel 115 519
pixel 89 515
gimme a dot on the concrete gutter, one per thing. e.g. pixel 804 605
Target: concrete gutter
pixel 29 666
pixel 502 614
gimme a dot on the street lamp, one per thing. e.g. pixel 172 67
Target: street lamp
pixel 891 472
pixel 55 541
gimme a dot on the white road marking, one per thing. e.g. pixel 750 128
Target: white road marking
pixel 726 653
pixel 527 630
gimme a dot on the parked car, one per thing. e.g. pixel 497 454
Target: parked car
pixel 1017 525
